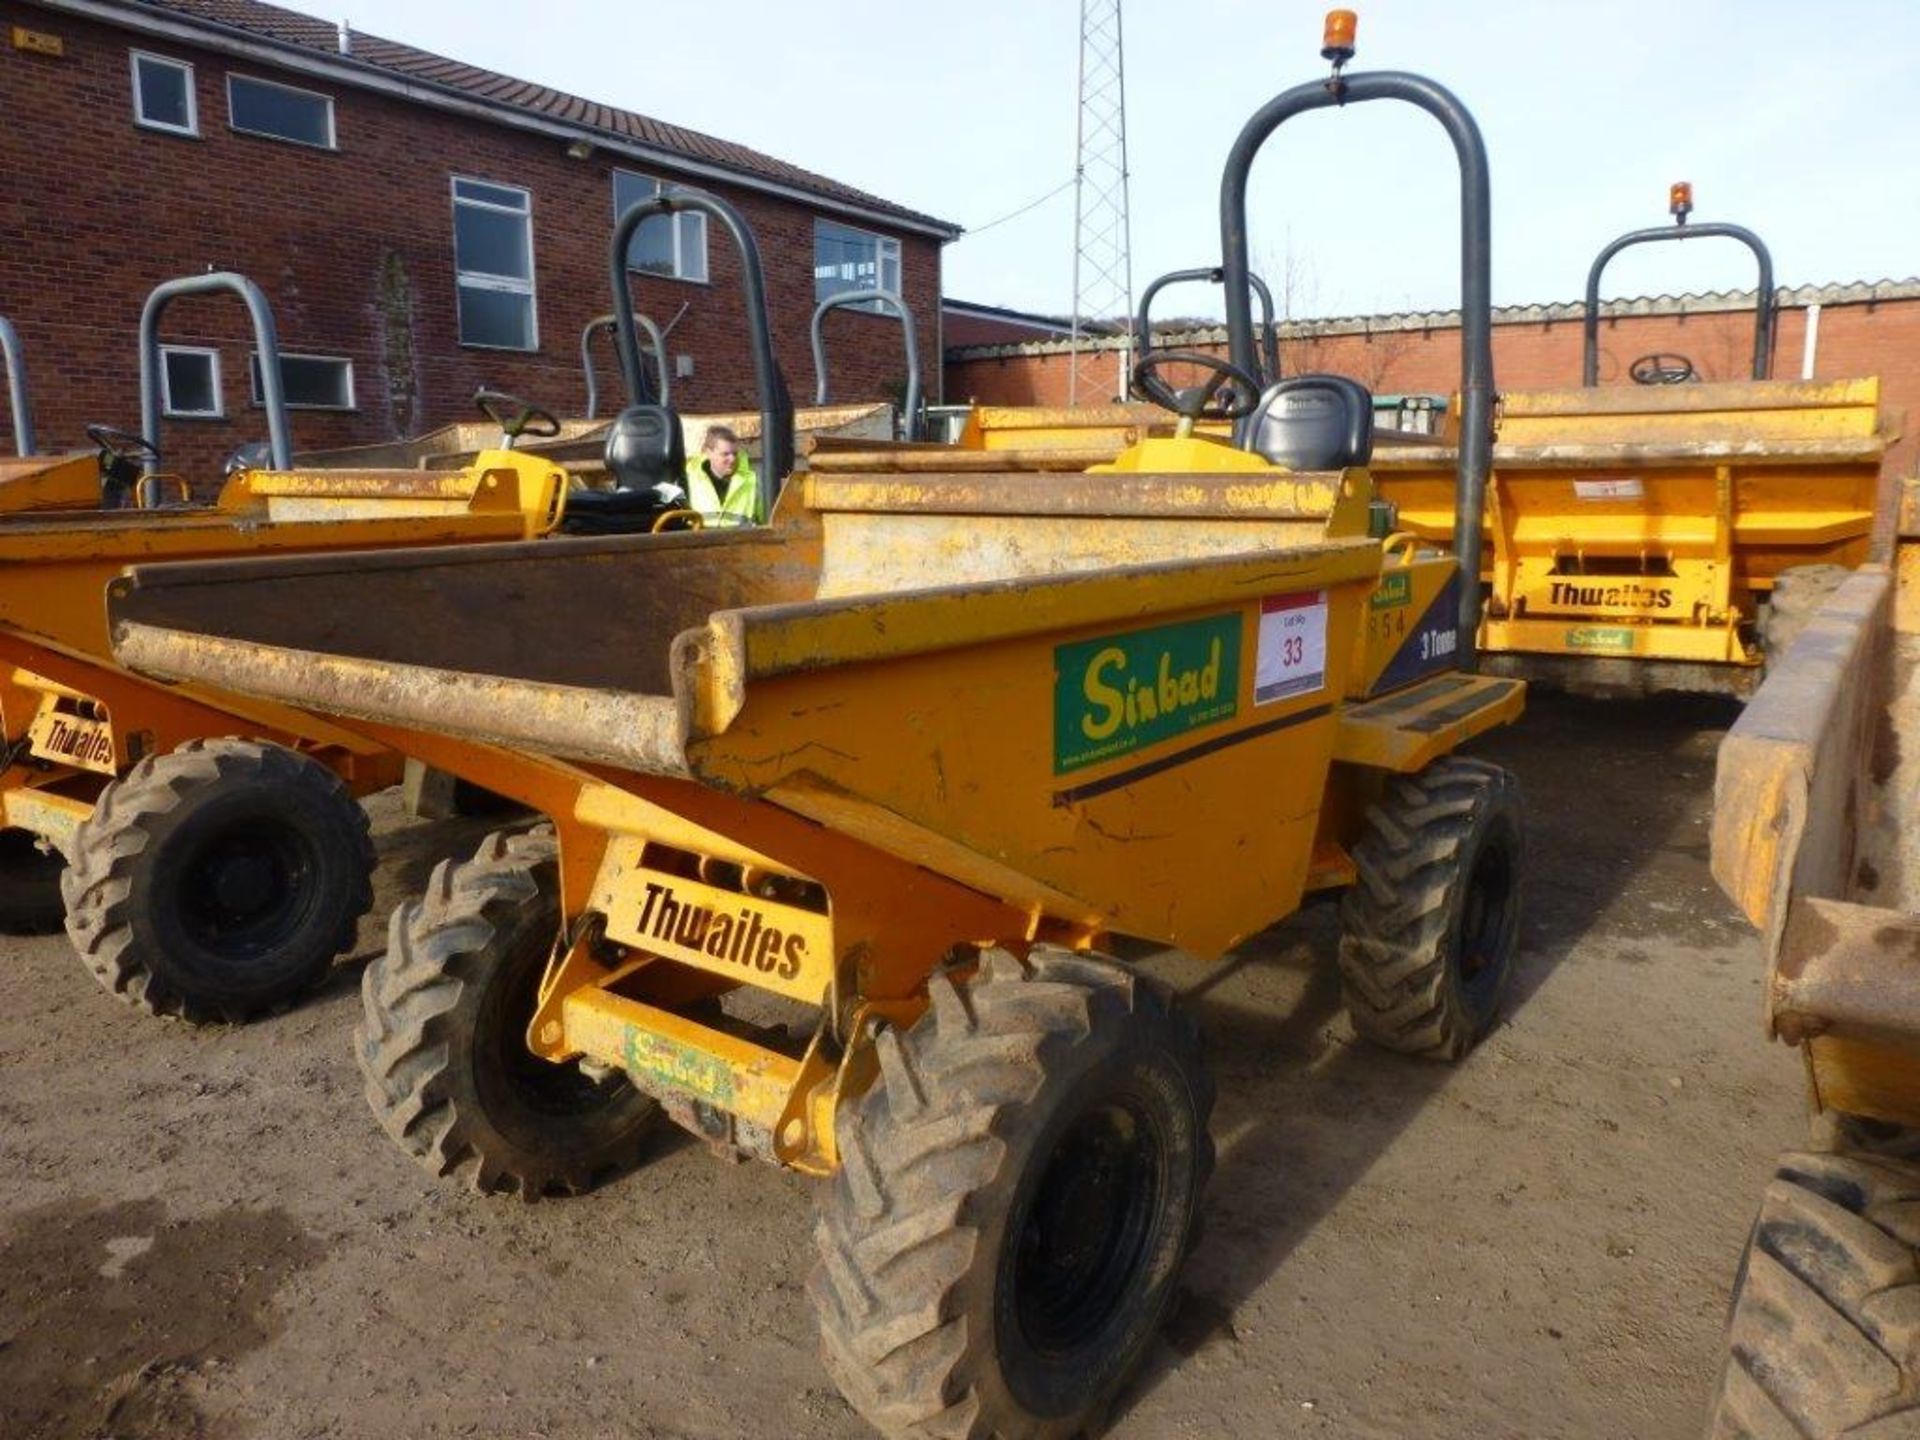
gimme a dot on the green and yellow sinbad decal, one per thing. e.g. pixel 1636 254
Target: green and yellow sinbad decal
pixel 1117 693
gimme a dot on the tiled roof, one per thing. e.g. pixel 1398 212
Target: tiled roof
pixel 306 32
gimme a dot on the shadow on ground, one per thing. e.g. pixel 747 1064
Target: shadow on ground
pixel 1306 1109
pixel 106 1314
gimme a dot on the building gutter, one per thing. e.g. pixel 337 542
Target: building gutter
pixel 361 75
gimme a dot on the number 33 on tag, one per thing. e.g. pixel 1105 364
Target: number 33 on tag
pixel 1292 655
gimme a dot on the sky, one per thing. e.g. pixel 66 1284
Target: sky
pixel 1796 120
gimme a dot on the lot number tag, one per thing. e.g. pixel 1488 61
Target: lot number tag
pixel 1292 656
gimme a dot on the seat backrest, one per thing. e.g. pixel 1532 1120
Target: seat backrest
pixel 645 449
pixel 1312 422
pixel 254 455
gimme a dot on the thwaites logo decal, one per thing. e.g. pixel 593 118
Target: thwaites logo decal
pixel 763 943
pixel 743 937
pixel 1608 595
pixel 66 738
pixel 1115 694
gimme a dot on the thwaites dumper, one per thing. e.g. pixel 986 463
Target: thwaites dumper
pixel 1816 836
pixel 204 851
pixel 578 445
pixel 842 810
pixel 1661 535
pixel 28 479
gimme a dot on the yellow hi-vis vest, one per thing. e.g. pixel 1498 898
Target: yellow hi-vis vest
pixel 739 506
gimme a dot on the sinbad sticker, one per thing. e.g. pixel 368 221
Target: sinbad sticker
pixel 1395 589
pixel 1117 693
pixel 1596 637
pixel 678 1067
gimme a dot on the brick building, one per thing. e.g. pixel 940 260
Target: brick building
pixel 1825 332
pixel 420 226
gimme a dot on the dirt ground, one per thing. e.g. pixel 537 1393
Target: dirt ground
pixel 203 1233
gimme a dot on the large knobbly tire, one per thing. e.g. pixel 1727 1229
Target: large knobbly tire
pixel 220 881
pixel 1430 927
pixel 1016 1194
pixel 1824 1335
pixel 30 902
pixel 442 1041
pixel 1798 593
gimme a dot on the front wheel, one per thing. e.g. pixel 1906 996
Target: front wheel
pixel 442 1042
pixel 1431 926
pixel 1824 1337
pixel 1015 1197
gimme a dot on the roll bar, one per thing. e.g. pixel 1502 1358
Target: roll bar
pixel 776 405
pixel 266 339
pixel 1476 280
pixel 886 300
pixel 1764 305
pixel 1269 332
pixel 655 337
pixel 17 395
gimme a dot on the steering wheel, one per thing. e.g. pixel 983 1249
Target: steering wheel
pixel 1197 402
pixel 1662 370
pixel 124 444
pixel 682 519
pixel 514 416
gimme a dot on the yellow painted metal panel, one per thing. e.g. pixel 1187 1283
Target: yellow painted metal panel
pixel 1410 729
pixel 957 734
pixel 54 817
pixel 662 1050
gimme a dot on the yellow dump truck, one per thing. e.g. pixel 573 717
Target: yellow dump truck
pixel 842 812
pixel 1637 536
pixel 204 851
pixel 1816 837
pixel 28 479
pixel 1661 535
pixel 215 862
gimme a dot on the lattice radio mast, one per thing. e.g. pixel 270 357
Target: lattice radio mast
pixel 1102 263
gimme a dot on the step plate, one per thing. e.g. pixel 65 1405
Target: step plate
pixel 1406 730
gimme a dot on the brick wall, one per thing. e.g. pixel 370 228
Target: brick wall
pixel 354 248
pixel 1854 340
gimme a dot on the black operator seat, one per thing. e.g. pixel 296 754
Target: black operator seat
pixel 1311 422
pixel 647 459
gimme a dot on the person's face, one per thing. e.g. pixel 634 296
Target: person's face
pixel 722 458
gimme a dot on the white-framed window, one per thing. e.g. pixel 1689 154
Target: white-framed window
pixel 310 382
pixel 848 259
pixel 671 245
pixel 280 112
pixel 163 94
pixel 493 265
pixel 190 382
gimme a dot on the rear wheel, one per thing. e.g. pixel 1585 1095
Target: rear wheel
pixel 1016 1193
pixel 442 1042
pixel 30 902
pixel 1824 1334
pixel 1431 925
pixel 219 881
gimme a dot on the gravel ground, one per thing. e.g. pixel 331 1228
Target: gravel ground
pixel 203 1233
